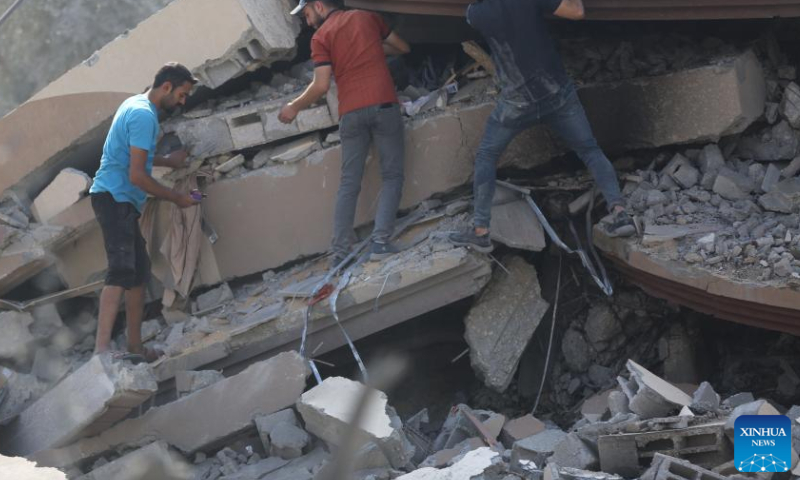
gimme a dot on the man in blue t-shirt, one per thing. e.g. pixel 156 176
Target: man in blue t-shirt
pixel 535 89
pixel 120 189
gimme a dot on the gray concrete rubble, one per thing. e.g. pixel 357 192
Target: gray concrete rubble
pixel 156 460
pixel 502 321
pixel 665 467
pixel 473 465
pixel 108 390
pixel 65 190
pixel 705 399
pixel 573 452
pixel 185 423
pixel 20 468
pixel 537 448
pixel 328 408
pixel 649 395
pixel 705 445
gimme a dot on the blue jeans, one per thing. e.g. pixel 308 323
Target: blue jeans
pixel 568 122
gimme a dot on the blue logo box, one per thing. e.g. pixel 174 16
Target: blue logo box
pixel 763 443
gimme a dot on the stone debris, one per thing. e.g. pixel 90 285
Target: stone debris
pixel 328 408
pixel 502 321
pixel 69 186
pixel 153 461
pixel 650 396
pixel 20 468
pixel 189 382
pixel 472 465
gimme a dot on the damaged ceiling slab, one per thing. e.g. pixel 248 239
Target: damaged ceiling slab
pixel 216 39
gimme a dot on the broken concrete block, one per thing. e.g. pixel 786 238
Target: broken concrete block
pixel 502 322
pixel 625 454
pixel 783 197
pixel 790 106
pixel 295 150
pixel 520 428
pixel 771 178
pixel 20 391
pixel 69 186
pixel 601 325
pixel 515 225
pixel 595 408
pixel 759 407
pixel 575 453
pixel 537 448
pixel 650 396
pixel 287 441
pixel 705 399
pixel 108 390
pixel 566 473
pixel 214 298
pixel 618 403
pixel 230 164
pixel 690 106
pixel 263 388
pixel 265 424
pixel 22 469
pixel 732 185
pixel 442 458
pixel 779 142
pixel 153 461
pixel 327 409
pixel 738 399
pixel 668 468
pixel 682 171
pixel 191 381
pixel 46 321
pixel 791 170
pixel 246 34
pixel 16 341
pixel 473 465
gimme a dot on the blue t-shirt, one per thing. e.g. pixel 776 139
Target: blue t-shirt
pixel 529 67
pixel 135 125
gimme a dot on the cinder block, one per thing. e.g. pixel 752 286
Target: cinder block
pixel 669 468
pixel 705 445
pixel 93 398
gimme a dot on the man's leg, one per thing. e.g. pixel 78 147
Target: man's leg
pixel 390 140
pixel 570 123
pixel 134 312
pixel 355 136
pixel 496 138
pixel 110 299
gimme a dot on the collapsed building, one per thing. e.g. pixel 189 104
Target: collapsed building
pixel 527 363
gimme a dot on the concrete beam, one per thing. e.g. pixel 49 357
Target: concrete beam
pixel 216 39
pixel 202 418
pixel 93 398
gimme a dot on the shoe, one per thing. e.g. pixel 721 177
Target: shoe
pixel 468 238
pixel 381 251
pixel 620 224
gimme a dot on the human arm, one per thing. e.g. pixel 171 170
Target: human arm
pixel 140 178
pixel 176 159
pixel 395 45
pixel 570 9
pixel 318 87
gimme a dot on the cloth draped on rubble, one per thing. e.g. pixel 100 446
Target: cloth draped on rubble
pixel 180 246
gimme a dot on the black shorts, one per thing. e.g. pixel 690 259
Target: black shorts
pixel 126 249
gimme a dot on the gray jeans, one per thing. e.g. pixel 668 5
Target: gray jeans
pixel 384 124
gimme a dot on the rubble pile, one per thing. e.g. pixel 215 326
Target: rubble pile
pixel 732 209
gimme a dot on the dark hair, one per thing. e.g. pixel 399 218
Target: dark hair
pixel 174 73
pixel 328 3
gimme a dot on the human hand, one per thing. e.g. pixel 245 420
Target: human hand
pixel 186 200
pixel 288 113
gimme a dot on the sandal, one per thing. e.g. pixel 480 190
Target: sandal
pixel 620 224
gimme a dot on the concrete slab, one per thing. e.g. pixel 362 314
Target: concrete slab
pixel 186 424
pixel 692 106
pixel 519 428
pixel 69 186
pixel 328 409
pixel 35 142
pixel 515 225
pixel 503 320
pixel 108 390
pixel 156 460
pixel 651 396
pixel 474 464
